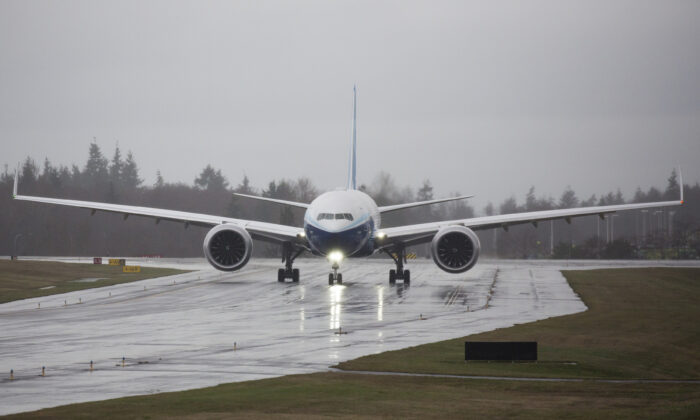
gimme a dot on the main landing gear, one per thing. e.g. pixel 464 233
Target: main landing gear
pixel 399 257
pixel 335 276
pixel 289 254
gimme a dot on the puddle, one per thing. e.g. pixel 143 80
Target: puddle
pixel 89 280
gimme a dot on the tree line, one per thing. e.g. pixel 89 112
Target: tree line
pixel 32 229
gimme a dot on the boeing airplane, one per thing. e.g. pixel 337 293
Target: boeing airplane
pixel 345 224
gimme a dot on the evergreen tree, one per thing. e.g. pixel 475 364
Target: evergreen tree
pixel 425 193
pixel 130 173
pixel 509 206
pixel 116 167
pixel 159 180
pixel 590 202
pixel 673 190
pixel 531 200
pixel 29 172
pixel 50 175
pixel 639 196
pixel 568 199
pixel 96 166
pixel 211 180
pixel 244 187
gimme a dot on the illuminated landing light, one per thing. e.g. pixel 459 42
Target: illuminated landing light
pixel 380 235
pixel 301 234
pixel 335 256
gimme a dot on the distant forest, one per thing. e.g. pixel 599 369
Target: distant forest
pixel 36 229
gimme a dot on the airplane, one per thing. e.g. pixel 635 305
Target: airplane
pixel 343 224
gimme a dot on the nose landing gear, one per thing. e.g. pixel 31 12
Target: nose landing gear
pixel 335 276
pixel 288 257
pixel 399 257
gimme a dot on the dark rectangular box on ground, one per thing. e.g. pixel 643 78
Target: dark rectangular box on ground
pixel 500 350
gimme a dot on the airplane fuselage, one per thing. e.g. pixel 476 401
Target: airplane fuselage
pixel 342 221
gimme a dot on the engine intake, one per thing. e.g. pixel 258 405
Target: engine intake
pixel 455 249
pixel 228 247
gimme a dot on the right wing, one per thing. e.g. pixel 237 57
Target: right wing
pixel 387 209
pixel 270 232
pixel 274 200
pixel 424 232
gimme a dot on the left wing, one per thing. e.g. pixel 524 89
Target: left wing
pixel 259 230
pixel 424 232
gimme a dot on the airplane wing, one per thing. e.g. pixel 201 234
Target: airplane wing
pixel 274 200
pixel 270 232
pixel 424 232
pixel 386 209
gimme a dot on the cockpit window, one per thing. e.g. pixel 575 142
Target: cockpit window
pixel 336 216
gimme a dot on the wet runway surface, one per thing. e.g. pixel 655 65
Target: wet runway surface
pixel 206 327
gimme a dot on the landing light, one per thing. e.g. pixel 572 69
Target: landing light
pixel 380 235
pixel 301 234
pixel 335 256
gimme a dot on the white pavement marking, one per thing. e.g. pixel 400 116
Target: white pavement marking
pixel 179 332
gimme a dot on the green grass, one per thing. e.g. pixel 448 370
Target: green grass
pixel 361 396
pixel 25 279
pixel 633 315
pixel 640 323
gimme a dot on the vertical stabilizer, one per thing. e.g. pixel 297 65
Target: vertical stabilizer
pixel 352 163
pixel 14 188
pixel 680 178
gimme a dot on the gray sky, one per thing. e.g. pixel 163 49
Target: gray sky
pixel 479 97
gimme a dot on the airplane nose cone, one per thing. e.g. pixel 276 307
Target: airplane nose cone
pixel 347 241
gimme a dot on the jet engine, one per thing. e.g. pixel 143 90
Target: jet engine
pixel 455 249
pixel 228 247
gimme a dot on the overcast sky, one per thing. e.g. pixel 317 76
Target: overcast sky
pixel 483 97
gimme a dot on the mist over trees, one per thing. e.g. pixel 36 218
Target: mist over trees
pixel 37 229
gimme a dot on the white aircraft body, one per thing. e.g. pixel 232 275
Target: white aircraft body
pixel 346 223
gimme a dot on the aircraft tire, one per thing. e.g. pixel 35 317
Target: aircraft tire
pixel 392 276
pixel 295 275
pixel 406 276
pixel 330 279
pixel 339 280
pixel 280 275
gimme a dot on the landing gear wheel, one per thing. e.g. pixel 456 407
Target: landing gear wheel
pixel 289 254
pixel 339 280
pixel 330 279
pixel 398 254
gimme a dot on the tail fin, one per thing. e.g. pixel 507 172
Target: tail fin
pixel 352 163
pixel 14 187
pixel 680 177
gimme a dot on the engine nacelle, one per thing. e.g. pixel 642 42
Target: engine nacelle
pixel 228 247
pixel 455 249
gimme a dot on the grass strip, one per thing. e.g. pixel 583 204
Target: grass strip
pixel 28 279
